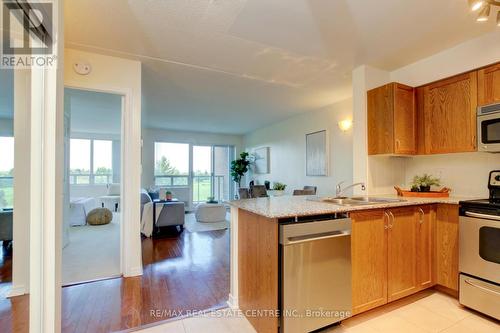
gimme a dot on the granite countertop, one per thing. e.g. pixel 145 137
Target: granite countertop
pixel 292 206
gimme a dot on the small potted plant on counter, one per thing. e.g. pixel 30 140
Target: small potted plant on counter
pixel 423 183
pixel 278 189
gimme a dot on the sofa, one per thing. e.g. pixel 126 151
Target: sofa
pixel 171 214
pixel 6 226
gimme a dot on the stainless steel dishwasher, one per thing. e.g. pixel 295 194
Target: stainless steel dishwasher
pixel 315 274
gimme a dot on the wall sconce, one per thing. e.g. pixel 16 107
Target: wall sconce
pixel 345 125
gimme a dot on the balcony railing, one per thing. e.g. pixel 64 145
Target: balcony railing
pixel 88 179
pixel 6 192
pixel 201 187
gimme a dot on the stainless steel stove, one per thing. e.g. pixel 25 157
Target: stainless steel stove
pixel 479 251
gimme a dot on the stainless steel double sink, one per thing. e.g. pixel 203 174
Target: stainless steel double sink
pixel 355 201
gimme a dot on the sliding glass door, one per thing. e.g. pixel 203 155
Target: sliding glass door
pixel 202 173
pixel 211 179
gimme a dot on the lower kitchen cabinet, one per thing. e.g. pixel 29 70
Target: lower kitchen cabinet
pixel 369 260
pixel 392 254
pixel 447 246
pixel 401 253
pixel 426 246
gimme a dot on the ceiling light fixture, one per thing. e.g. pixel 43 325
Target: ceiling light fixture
pixel 484 14
pixel 484 8
pixel 476 4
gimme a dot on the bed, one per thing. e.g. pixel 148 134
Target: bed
pixel 78 210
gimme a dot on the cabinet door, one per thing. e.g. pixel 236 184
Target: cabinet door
pixel 381 120
pixel 404 120
pixel 450 114
pixel 426 246
pixel 402 253
pixel 369 260
pixel 488 85
pixel 447 246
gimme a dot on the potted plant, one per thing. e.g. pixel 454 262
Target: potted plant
pixel 168 196
pixel 278 189
pixel 423 183
pixel 239 167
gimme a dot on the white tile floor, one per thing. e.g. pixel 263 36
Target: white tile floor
pixel 427 312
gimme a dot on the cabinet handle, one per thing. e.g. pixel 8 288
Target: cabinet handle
pixel 398 143
pixel 386 226
pixel 422 214
pixel 393 220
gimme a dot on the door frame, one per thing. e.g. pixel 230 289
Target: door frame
pixel 124 219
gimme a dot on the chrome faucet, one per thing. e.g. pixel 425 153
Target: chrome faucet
pixel 339 190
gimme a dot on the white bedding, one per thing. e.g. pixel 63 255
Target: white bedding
pixel 147 218
pixel 78 210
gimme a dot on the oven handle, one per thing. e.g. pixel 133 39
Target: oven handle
pixel 469 282
pixel 483 216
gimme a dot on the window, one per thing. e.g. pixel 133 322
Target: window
pixel 91 162
pixel 6 172
pixel 103 160
pixel 171 164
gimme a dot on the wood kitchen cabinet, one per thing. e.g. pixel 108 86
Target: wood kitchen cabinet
pixel 449 115
pixel 426 245
pixel 391 120
pixel 488 85
pixel 392 254
pixel 402 253
pixel 447 246
pixel 369 260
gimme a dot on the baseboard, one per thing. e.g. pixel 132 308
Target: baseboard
pixel 446 290
pixel 17 291
pixel 135 271
pixel 232 302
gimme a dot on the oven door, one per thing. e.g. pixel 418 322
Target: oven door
pixel 480 246
pixel 488 129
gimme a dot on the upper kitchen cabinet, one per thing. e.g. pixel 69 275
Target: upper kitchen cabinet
pixel 449 111
pixel 488 85
pixel 391 120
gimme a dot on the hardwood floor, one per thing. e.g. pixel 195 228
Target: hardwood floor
pixel 187 272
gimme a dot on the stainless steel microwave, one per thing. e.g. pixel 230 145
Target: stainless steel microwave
pixel 488 128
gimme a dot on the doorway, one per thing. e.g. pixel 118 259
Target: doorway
pixel 92 225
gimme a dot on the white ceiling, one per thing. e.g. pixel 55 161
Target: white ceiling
pixel 93 112
pixel 232 66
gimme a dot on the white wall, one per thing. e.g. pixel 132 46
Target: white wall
pixel 22 160
pixel 123 77
pixel 466 174
pixel 151 135
pixel 286 140
pixel 365 78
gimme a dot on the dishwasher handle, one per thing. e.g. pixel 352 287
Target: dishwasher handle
pixel 315 237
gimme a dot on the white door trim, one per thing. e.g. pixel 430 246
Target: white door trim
pixel 128 192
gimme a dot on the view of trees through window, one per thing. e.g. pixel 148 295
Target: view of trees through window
pixel 91 161
pixel 6 172
pixel 171 164
pixel 210 169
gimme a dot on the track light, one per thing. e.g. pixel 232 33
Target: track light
pixel 476 4
pixel 484 14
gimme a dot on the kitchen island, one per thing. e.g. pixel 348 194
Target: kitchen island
pixel 397 248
